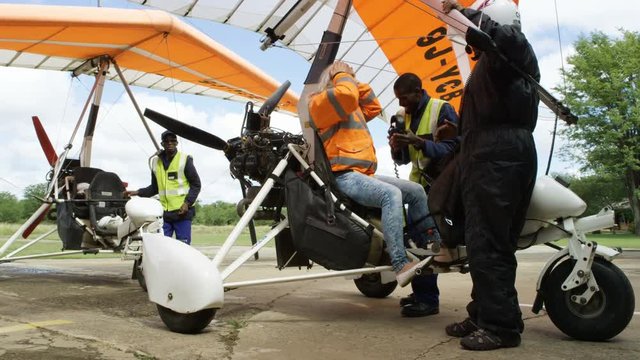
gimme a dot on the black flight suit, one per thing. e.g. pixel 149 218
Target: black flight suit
pixel 498 165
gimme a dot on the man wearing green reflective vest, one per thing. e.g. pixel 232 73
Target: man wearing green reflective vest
pixel 426 132
pixel 175 179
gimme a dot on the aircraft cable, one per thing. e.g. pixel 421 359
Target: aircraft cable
pixel 564 83
pixel 105 116
pixel 64 112
pixel 293 46
pixel 171 67
pixel 12 184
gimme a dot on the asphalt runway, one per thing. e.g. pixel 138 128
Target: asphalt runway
pixel 91 309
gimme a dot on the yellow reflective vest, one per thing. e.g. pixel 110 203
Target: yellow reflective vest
pixel 173 185
pixel 427 126
pixel 340 116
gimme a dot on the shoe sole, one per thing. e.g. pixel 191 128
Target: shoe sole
pixel 501 346
pixel 418 314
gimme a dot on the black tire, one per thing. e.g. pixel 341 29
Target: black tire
pixel 604 316
pixel 191 323
pixel 370 285
pixel 138 275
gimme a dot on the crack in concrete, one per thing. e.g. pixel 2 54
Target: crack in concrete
pixel 91 341
pixel 231 339
pixel 424 354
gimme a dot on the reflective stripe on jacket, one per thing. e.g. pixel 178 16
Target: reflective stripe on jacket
pixel 173 185
pixel 427 126
pixel 340 116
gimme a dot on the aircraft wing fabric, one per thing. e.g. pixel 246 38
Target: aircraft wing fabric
pixel 382 38
pixel 153 48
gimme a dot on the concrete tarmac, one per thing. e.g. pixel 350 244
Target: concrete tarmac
pixel 91 309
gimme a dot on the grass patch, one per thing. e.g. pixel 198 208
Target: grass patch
pixel 624 240
pixel 201 235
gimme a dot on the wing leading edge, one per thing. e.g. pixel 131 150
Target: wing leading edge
pixel 155 50
pixel 381 39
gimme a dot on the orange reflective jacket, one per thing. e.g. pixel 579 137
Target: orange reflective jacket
pixel 340 116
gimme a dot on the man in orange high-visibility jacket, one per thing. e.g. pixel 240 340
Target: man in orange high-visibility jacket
pixel 339 112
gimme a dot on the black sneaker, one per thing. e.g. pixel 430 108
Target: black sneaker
pixel 419 309
pixel 482 340
pixel 461 329
pixel 410 299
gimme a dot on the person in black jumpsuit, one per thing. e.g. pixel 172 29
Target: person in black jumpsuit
pixel 498 166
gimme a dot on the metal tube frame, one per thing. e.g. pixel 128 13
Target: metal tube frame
pixel 25 246
pixel 295 151
pixel 53 189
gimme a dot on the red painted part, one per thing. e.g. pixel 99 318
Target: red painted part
pixel 45 143
pixel 29 230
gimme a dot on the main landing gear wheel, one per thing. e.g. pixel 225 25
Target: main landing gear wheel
pixel 138 275
pixel 604 316
pixel 370 285
pixel 191 323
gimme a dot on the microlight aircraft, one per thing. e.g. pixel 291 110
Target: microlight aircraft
pixel 382 39
pixel 145 48
pixel 574 284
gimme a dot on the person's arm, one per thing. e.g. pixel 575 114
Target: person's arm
pixel 335 104
pixel 438 149
pixel 194 182
pixel 509 40
pixel 150 190
pixel 368 102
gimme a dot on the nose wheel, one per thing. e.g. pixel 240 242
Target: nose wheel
pixel 605 315
pixel 191 323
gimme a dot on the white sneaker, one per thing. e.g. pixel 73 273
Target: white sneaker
pixel 404 276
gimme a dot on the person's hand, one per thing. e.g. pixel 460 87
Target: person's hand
pixel 183 209
pixel 393 142
pixel 446 131
pixel 340 66
pixel 398 140
pixel 129 193
pixel 448 5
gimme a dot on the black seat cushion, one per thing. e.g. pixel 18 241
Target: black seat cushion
pixel 105 197
pixel 81 175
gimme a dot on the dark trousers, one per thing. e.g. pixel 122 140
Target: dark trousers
pixel 497 177
pixel 182 229
pixel 425 289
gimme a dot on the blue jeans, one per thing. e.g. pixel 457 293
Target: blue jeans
pixel 182 229
pixel 389 194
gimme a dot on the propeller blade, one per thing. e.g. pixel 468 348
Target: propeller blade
pixel 272 102
pixel 36 221
pixel 186 131
pixel 45 143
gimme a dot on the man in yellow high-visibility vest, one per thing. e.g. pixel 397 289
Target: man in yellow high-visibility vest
pixel 428 134
pixel 175 179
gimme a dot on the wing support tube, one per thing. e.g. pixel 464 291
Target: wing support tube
pixel 291 17
pixel 325 56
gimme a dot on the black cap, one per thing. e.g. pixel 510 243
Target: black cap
pixel 167 133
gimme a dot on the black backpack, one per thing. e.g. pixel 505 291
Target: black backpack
pixel 320 231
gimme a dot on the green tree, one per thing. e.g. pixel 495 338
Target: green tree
pixel 32 198
pixel 10 208
pixel 602 88
pixel 218 213
pixel 598 191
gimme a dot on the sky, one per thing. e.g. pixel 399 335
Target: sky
pixel 121 144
